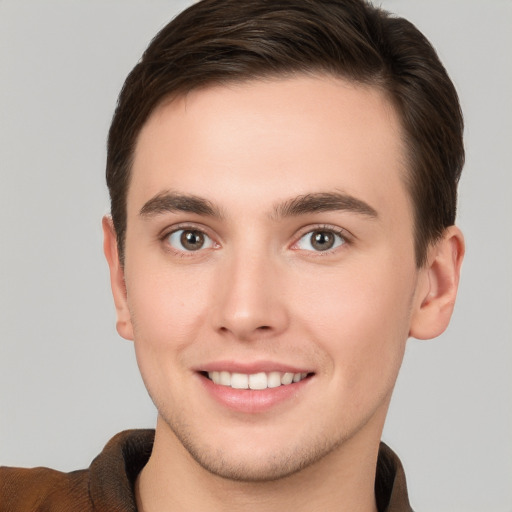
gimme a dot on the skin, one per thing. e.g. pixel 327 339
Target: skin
pixel 259 295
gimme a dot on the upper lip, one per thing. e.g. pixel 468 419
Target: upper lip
pixel 250 368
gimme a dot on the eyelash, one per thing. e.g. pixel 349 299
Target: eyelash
pixel 164 238
pixel 346 239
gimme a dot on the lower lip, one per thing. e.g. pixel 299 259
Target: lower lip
pixel 253 400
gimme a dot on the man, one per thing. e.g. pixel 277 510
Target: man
pixel 283 187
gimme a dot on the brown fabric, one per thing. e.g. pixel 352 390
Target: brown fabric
pixel 390 484
pixel 107 486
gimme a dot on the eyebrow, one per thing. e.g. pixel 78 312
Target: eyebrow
pixel 168 202
pixel 323 202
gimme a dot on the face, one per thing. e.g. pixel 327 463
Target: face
pixel 270 271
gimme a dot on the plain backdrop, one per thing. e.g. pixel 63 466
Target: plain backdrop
pixel 68 382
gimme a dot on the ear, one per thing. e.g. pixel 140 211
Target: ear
pixel 437 286
pixel 124 323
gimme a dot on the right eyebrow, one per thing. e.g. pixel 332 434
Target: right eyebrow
pixel 168 202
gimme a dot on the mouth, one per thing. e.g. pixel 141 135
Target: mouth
pixel 254 388
pixel 255 381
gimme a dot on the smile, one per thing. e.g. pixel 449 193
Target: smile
pixel 261 380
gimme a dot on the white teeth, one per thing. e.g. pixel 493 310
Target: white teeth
pixel 259 380
pixel 287 378
pixel 273 380
pixel 225 379
pixel 239 380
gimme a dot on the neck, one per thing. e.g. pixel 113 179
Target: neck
pixel 343 480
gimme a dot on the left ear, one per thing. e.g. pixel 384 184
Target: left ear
pixel 438 282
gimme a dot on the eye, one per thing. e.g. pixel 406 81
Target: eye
pixel 189 240
pixel 320 240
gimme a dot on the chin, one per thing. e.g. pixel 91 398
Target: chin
pixel 257 461
pixel 253 469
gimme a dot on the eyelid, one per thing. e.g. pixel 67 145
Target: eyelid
pixel 187 226
pixel 341 232
pixel 347 236
pixel 192 226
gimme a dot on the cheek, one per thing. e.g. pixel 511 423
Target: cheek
pixel 168 309
pixel 360 317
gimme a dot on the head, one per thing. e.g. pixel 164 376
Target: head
pixel 227 41
pixel 283 179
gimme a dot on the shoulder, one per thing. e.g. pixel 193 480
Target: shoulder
pixel 390 483
pixel 42 489
pixel 107 485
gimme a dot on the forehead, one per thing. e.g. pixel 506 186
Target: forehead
pixel 268 138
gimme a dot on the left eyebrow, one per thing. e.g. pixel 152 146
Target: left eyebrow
pixel 168 202
pixel 323 202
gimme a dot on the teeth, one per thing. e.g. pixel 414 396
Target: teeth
pixel 225 379
pixel 256 381
pixel 287 378
pixel 273 380
pixel 239 381
pixel 260 380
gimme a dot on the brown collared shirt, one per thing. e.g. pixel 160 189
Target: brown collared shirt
pixel 108 484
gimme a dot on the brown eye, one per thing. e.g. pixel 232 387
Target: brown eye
pixel 189 240
pixel 192 240
pixel 320 240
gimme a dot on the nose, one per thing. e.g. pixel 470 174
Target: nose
pixel 250 299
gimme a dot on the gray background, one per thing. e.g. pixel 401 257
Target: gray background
pixel 68 382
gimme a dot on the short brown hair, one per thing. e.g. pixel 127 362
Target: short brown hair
pixel 221 41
